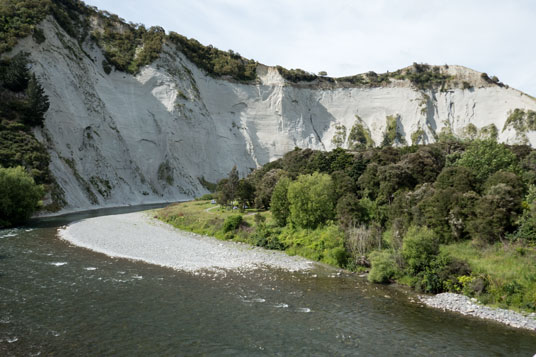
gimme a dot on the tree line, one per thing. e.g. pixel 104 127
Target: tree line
pixel 390 209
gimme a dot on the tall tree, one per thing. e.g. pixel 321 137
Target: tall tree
pixel 37 103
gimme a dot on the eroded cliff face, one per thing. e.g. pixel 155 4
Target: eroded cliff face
pixel 117 139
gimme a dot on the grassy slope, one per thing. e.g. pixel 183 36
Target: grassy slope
pixel 324 244
pixel 202 217
pixel 510 270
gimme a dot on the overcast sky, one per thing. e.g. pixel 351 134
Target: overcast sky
pixel 345 37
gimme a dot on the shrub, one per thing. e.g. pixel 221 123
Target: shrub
pixel 19 196
pixel 442 274
pixel 384 267
pixel 205 197
pixel 419 248
pixel 325 244
pixel 266 237
pixel 232 223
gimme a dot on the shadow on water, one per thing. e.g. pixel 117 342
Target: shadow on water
pixel 54 221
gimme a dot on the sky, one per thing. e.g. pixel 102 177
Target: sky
pixel 345 37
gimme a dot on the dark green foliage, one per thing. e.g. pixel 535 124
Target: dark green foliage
pixel 350 211
pixel 448 212
pixel 424 76
pixel 460 178
pixel 20 148
pixel 245 194
pixel 496 214
pixel 214 61
pixel 37 103
pixel 106 67
pixel 232 223
pixel 296 75
pixel 279 203
pixel 265 187
pixel 14 73
pixel 18 19
pixel 23 106
pixel 492 80
pixel 441 274
pixel 38 35
pixel 267 237
pixel 228 188
pixel 19 196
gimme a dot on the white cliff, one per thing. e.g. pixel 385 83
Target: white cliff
pixel 119 139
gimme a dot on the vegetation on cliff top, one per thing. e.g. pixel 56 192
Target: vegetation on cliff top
pixel 128 46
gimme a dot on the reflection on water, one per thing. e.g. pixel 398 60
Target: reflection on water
pixel 63 300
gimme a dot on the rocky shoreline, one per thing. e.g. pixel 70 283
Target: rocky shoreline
pixel 469 307
pixel 138 236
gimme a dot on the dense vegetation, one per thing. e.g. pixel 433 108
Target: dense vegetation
pixel 214 61
pixel 453 216
pixel 23 106
pixel 19 196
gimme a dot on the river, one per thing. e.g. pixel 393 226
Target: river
pixel 57 299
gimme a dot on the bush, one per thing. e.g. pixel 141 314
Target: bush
pixel 205 197
pixel 266 237
pixel 19 196
pixel 325 244
pixel 419 248
pixel 442 274
pixel 384 267
pixel 232 223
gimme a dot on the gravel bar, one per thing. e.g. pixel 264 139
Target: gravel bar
pixel 138 236
pixel 467 306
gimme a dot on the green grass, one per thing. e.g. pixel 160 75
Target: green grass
pixel 202 217
pixel 324 244
pixel 510 271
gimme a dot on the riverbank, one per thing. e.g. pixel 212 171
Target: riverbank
pixel 469 307
pixel 138 236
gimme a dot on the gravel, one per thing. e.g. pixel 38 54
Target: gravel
pixel 470 307
pixel 138 236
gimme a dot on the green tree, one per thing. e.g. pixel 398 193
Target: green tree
pixel 265 188
pixel 312 200
pixel 245 194
pixel 37 103
pixel 14 73
pixel 228 188
pixel 486 157
pixel 496 214
pixel 279 204
pixel 19 196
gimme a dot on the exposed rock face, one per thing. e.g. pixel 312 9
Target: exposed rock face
pixel 119 139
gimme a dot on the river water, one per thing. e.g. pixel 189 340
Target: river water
pixel 57 299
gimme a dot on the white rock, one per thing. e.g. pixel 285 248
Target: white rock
pixel 121 131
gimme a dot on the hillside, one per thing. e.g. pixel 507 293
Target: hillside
pixel 138 116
